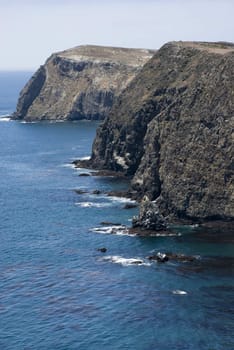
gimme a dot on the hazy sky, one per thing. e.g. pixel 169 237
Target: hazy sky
pixel 31 30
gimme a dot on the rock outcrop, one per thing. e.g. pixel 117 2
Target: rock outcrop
pixel 172 131
pixel 80 83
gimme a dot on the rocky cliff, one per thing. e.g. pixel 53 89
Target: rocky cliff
pixel 80 83
pixel 172 131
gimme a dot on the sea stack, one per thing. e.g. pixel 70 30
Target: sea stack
pixel 79 83
pixel 171 129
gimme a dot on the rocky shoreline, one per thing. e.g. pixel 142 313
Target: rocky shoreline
pixel 149 222
pixel 170 132
pixel 168 126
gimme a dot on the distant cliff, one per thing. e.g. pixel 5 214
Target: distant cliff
pixel 172 131
pixel 80 83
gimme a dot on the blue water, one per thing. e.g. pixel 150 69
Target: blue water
pixel 10 85
pixel 58 292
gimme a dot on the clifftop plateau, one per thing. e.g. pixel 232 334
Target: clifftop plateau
pixel 79 83
pixel 172 130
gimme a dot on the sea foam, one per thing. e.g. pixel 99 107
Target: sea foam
pixel 84 158
pixel 119 230
pixel 5 118
pixel 68 165
pixel 92 205
pixel 116 259
pixel 179 292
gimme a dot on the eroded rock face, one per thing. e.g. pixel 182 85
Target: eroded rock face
pixel 80 83
pixel 172 130
pixel 149 217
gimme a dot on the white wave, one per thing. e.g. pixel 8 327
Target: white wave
pixel 161 234
pixel 84 158
pixel 116 259
pixel 112 200
pixel 179 292
pixel 5 118
pixel 165 234
pixel 197 257
pixel 85 204
pixel 92 205
pixel 119 230
pixel 194 226
pixel 121 199
pixel 81 171
pixel 74 148
pixel 68 165
pixel 27 122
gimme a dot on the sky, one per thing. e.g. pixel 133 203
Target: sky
pixel 31 30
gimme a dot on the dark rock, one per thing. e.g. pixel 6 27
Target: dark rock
pixel 163 257
pixel 181 257
pixel 108 173
pixel 108 223
pixel 121 194
pixel 142 232
pixel 96 192
pixel 149 217
pixel 102 250
pixel 82 163
pixel 171 130
pixel 79 191
pixel 84 174
pixel 137 262
pixel 160 257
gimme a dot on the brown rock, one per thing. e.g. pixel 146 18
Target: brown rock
pixel 80 83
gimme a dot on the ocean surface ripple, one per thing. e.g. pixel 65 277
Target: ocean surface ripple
pixel 60 291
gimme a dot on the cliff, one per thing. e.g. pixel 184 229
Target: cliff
pixel 172 131
pixel 79 83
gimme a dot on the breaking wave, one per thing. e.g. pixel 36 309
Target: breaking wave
pixel 116 259
pixel 119 230
pixel 84 158
pixel 92 205
pixel 5 118
pixel 179 292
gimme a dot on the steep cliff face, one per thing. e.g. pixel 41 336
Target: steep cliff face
pixel 80 83
pixel 172 130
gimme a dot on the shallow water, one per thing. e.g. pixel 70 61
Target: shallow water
pixel 58 292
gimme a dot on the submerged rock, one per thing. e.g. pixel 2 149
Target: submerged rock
pixel 109 223
pixel 102 250
pixel 163 257
pixel 80 191
pixel 97 192
pixel 160 257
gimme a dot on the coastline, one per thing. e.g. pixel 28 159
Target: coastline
pixel 212 224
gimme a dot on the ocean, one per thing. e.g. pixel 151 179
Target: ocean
pixel 58 291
